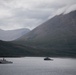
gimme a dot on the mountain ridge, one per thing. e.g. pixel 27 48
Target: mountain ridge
pixel 9 35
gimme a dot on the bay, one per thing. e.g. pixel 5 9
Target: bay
pixel 37 66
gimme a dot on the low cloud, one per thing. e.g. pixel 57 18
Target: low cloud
pixel 70 8
pixel 31 13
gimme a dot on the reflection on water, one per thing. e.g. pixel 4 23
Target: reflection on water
pixel 37 66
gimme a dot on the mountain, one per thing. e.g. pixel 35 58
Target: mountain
pixel 58 33
pixel 9 35
pixel 56 38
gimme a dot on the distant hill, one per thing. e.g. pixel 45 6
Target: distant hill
pixel 9 35
pixel 56 33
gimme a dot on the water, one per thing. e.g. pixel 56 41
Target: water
pixel 37 66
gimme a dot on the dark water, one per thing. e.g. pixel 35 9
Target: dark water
pixel 37 66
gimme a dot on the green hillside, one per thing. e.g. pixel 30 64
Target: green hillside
pixel 14 50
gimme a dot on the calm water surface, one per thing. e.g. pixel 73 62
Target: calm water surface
pixel 37 66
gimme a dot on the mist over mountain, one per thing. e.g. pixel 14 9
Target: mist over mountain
pixel 56 33
pixel 9 35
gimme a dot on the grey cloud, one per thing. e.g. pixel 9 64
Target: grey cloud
pixel 35 13
pixel 29 13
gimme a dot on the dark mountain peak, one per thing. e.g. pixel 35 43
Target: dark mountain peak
pixel 57 31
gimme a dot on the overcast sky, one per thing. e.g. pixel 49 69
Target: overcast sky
pixel 16 14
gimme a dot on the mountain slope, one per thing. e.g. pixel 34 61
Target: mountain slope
pixel 8 49
pixel 10 35
pixel 58 32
